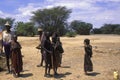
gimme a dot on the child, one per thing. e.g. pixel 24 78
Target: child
pixel 88 66
pixel 59 50
pixel 16 57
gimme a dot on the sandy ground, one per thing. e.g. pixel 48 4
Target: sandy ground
pixel 106 58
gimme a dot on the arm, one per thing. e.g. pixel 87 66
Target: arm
pixel 88 50
pixel 1 42
pixel 43 46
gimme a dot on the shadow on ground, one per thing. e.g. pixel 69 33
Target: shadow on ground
pixel 26 75
pixel 62 75
pixel 93 74
pixel 65 67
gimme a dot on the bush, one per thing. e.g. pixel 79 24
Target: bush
pixel 71 34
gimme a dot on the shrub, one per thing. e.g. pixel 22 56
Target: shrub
pixel 71 34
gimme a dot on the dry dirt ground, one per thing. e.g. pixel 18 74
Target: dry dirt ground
pixel 106 58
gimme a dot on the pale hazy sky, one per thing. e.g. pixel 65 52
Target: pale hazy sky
pixel 96 12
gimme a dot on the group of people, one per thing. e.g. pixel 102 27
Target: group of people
pixel 51 52
pixel 12 49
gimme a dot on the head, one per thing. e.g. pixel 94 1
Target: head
pixel 55 34
pixel 7 25
pixel 54 37
pixel 14 37
pixel 86 41
pixel 47 34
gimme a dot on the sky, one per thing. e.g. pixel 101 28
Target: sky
pixel 97 12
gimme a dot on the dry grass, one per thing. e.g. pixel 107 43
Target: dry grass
pixel 106 56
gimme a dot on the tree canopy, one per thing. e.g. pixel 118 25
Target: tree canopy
pixel 80 27
pixel 108 29
pixel 54 19
pixel 25 29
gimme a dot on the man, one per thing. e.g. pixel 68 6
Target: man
pixel 47 53
pixel 6 42
pixel 40 32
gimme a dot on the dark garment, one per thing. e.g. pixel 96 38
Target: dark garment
pixel 47 58
pixel 58 47
pixel 7 48
pixel 88 66
pixel 7 54
pixel 56 58
pixel 16 57
pixel 58 50
pixel 47 47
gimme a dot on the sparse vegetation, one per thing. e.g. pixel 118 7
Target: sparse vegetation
pixel 71 34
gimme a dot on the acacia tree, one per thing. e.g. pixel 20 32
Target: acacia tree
pixel 80 27
pixel 52 19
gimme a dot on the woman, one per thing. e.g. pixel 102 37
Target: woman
pixel 58 51
pixel 56 54
pixel 16 57
pixel 88 66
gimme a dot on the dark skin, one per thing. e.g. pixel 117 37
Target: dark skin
pixel 40 35
pixel 54 39
pixel 87 44
pixel 48 52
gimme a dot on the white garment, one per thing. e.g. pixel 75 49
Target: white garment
pixel 7 37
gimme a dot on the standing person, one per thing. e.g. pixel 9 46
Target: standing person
pixel 88 66
pixel 54 37
pixel 47 53
pixel 6 39
pixel 59 51
pixel 16 57
pixel 56 53
pixel 41 34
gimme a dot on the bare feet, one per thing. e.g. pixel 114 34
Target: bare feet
pixel 39 65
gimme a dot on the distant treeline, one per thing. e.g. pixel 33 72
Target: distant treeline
pixel 108 29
